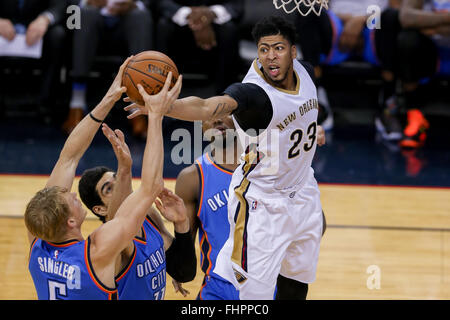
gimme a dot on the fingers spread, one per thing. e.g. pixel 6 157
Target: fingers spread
pixel 177 87
pixel 159 204
pixel 120 135
pixel 142 91
pixel 168 82
pixel 130 106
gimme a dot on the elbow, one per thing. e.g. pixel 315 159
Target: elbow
pixel 158 186
pixel 153 189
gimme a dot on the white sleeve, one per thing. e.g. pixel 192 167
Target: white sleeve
pixel 180 17
pixel 222 15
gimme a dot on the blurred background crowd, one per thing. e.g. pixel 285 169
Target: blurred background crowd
pixel 395 53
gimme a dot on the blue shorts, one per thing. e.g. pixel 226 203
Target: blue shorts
pixel 217 289
pixel 336 56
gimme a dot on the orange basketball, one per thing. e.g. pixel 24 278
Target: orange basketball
pixel 150 69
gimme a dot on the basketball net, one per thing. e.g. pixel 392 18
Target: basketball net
pixel 303 6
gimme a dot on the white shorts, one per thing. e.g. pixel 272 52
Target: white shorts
pixel 271 234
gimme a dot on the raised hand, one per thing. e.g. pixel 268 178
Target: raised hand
pixel 121 150
pixel 137 109
pixel 160 103
pixel 116 90
pixel 172 208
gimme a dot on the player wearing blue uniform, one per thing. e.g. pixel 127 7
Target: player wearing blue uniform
pixel 62 263
pixel 142 275
pixel 213 225
pixel 144 278
pixel 203 187
pixel 66 266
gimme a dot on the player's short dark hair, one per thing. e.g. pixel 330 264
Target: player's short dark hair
pixel 87 191
pixel 274 25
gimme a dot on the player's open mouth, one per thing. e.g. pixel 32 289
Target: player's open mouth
pixel 274 71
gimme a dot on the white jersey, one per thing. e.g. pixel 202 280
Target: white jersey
pixel 286 148
pixel 274 207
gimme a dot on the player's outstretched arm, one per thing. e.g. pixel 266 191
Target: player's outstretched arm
pixel 122 187
pixel 191 108
pixel 81 137
pixel 112 237
pixel 195 108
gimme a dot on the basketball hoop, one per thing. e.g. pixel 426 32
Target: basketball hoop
pixel 303 6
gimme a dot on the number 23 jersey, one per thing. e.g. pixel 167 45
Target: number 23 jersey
pixel 279 155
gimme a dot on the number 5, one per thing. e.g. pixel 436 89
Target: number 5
pixel 53 286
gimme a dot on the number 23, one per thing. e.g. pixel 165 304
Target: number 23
pixel 297 136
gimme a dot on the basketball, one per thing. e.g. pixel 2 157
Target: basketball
pixel 150 69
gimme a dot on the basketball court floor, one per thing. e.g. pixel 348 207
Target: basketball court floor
pixel 388 210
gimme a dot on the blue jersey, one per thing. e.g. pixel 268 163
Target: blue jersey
pixel 64 271
pixel 144 278
pixel 214 227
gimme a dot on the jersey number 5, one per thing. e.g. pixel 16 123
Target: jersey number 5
pixel 297 136
pixel 56 289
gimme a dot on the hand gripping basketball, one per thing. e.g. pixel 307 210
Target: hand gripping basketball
pixel 150 69
pixel 116 90
pixel 160 103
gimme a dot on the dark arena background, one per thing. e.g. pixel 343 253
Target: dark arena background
pixel 387 207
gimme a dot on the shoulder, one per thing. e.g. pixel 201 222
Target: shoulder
pixel 248 96
pixel 243 88
pixel 188 173
pixel 187 183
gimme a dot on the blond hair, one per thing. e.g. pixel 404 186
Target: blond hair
pixel 47 213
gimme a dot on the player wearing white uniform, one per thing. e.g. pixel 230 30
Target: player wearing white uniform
pixel 275 215
pixel 274 211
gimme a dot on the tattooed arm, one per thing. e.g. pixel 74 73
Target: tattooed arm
pixel 195 108
pixel 412 15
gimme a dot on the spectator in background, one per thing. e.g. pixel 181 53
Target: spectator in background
pixel 340 34
pixel 37 19
pixel 188 30
pixel 123 27
pixel 424 47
